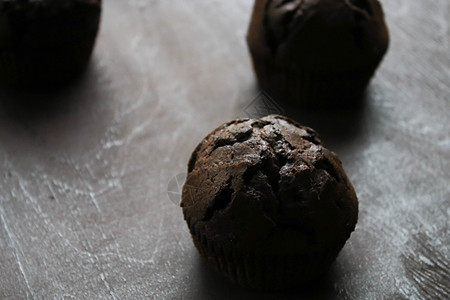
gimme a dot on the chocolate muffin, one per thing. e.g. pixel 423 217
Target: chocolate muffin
pixel 267 205
pixel 317 53
pixel 43 42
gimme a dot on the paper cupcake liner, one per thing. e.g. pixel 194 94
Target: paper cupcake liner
pixel 9 69
pixel 265 272
pixel 311 89
pixel 19 68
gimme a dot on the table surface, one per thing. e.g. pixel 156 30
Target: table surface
pixel 89 171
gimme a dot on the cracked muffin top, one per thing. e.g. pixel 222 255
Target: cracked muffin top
pixel 319 35
pixel 268 185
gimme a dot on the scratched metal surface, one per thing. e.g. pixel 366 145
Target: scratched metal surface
pixel 85 169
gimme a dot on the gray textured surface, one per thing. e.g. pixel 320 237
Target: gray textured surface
pixel 84 170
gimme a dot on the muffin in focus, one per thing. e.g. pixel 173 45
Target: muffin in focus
pixel 267 205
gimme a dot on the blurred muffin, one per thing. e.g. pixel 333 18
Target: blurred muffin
pixel 317 53
pixel 44 42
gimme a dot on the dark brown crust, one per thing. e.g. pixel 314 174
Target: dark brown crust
pixel 268 188
pixel 46 42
